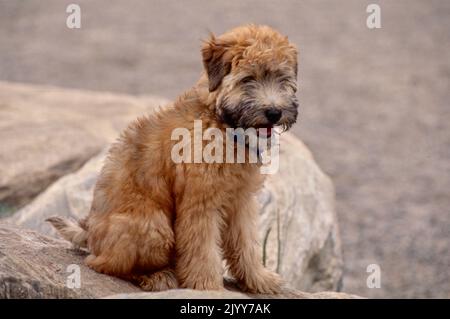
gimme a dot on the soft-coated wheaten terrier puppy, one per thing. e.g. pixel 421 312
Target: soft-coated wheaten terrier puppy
pixel 164 224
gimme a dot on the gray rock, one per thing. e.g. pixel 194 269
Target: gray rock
pixel 37 266
pixel 48 132
pixel 70 196
pixel 298 222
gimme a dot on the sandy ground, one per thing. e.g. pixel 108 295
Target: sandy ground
pixel 374 103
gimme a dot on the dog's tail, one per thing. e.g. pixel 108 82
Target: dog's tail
pixel 71 231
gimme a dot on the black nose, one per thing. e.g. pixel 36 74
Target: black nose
pixel 273 115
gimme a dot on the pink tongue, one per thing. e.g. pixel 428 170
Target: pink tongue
pixel 268 131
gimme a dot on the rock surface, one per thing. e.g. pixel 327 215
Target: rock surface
pixel 298 223
pixel 231 294
pixel 37 266
pixel 47 132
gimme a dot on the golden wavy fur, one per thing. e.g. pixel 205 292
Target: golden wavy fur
pixel 165 225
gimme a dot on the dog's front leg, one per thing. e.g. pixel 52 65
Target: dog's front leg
pixel 242 251
pixel 198 263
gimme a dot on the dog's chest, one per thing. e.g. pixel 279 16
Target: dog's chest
pixel 220 180
pixel 237 178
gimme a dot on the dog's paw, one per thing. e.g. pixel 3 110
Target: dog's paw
pixel 263 282
pixel 158 281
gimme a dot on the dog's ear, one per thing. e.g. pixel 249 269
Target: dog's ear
pixel 216 60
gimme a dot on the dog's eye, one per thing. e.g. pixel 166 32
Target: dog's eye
pixel 248 79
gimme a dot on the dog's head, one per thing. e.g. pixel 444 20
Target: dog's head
pixel 252 70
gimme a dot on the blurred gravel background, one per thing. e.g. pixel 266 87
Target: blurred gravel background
pixel 374 103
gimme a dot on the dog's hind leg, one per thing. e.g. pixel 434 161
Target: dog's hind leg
pixel 113 248
pixel 119 265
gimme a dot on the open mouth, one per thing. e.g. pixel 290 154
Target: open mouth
pixel 265 132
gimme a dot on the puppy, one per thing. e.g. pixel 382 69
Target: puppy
pixel 164 224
